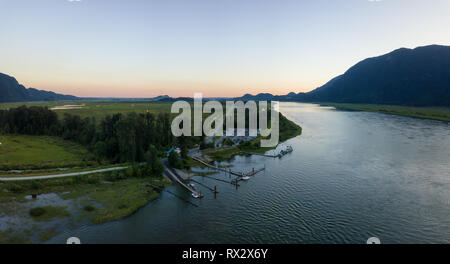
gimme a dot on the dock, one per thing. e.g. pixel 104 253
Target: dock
pixel 240 175
pixel 214 190
pixel 217 168
pixel 254 172
pixel 212 178
pixel 171 174
pixel 159 189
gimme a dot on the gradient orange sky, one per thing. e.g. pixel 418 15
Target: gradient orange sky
pixel 220 48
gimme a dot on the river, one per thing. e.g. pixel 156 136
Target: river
pixel 352 175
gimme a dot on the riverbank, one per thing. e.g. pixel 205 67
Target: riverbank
pixel 436 113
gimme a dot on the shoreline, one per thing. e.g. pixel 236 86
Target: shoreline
pixel 431 113
pixel 89 199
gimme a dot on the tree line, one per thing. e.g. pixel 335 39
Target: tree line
pixel 116 138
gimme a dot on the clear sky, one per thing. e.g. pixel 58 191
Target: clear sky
pixel 145 48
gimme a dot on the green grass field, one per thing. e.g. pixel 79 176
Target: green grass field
pixel 23 152
pixel 99 109
pixel 437 113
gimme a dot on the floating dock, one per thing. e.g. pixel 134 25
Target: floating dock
pixel 159 189
pixel 214 190
pixel 240 175
pixel 217 168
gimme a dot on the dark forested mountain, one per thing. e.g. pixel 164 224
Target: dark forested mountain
pixel 416 77
pixel 12 91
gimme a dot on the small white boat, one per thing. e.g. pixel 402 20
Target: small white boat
pixel 246 178
pixel 196 196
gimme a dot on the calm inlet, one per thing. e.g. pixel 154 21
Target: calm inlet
pixel 351 176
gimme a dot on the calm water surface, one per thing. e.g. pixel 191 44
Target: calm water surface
pixel 352 175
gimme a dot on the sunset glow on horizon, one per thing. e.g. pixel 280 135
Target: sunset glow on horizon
pixel 140 48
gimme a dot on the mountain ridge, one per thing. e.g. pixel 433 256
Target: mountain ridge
pixel 411 77
pixel 12 91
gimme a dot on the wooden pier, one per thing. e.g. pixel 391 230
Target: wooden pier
pixel 240 175
pixel 159 189
pixel 175 177
pixel 212 178
pixel 214 190
pixel 217 168
pixel 254 172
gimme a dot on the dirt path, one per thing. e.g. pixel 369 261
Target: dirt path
pixel 29 178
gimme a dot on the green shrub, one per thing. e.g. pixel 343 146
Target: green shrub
pixel 15 188
pixel 48 213
pixel 36 212
pixel 128 172
pixel 93 180
pixel 111 176
pixel 122 206
pixel 175 161
pixel 158 168
pixel 36 185
pixel 122 175
pixel 137 172
pixel 77 179
pixel 89 208
pixel 68 181
pixel 115 176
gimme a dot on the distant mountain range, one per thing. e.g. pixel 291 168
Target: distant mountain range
pixel 12 91
pixel 416 77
